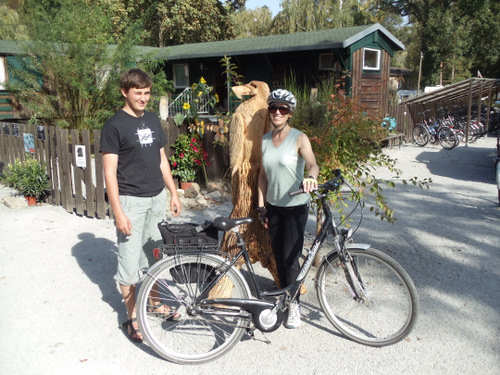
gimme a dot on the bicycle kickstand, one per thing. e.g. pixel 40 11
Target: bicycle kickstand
pixel 251 333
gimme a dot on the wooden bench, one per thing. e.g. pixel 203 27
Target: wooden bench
pixel 394 140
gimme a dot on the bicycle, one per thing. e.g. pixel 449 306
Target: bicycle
pixel 434 131
pixel 363 292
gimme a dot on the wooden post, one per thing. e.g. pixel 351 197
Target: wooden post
pixel 90 205
pixel 77 172
pixel 99 179
pixel 419 73
pixel 468 114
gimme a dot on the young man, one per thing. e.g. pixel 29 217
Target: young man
pixel 136 171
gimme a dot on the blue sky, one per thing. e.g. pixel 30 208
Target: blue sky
pixel 273 5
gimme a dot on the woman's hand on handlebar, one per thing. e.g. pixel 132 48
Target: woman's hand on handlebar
pixel 309 184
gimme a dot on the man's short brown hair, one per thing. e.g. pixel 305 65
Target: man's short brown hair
pixel 135 78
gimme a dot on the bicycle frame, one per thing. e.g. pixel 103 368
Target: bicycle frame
pixel 290 292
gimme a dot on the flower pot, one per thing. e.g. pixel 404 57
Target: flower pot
pixel 31 201
pixel 185 185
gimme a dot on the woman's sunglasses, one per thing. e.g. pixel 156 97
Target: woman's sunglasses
pixel 283 110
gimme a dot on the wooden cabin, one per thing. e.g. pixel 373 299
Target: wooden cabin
pixel 360 54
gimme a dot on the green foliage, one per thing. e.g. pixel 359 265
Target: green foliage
pixel 230 71
pixel 252 23
pixel 172 22
pixel 454 37
pixel 70 74
pixel 200 95
pixel 189 156
pixel 232 78
pixel 10 28
pixel 304 15
pixel 344 137
pixel 28 177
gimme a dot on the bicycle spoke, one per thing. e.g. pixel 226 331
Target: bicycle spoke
pixel 201 333
pixel 376 308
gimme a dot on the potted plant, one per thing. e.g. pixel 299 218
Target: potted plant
pixel 29 178
pixel 189 156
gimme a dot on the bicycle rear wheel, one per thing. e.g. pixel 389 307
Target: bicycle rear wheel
pixel 420 135
pixel 379 307
pixel 202 333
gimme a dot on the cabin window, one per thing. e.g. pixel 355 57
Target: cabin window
pixel 326 61
pixel 181 75
pixel 3 73
pixel 371 59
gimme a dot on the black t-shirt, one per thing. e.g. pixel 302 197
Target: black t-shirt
pixel 137 142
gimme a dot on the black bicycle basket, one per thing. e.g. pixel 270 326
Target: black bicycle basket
pixel 189 235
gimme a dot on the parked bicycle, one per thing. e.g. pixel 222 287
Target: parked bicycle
pixel 434 131
pixel 363 292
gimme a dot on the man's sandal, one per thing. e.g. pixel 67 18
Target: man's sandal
pixel 171 315
pixel 133 334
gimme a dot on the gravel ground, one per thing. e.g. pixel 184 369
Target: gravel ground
pixel 61 310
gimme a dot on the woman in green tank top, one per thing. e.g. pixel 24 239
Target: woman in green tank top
pixel 286 153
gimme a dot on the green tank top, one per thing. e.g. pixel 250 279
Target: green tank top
pixel 284 169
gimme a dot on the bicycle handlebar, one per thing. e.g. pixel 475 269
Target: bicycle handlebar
pixel 332 185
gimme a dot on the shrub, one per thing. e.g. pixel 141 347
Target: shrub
pixel 28 177
pixel 344 136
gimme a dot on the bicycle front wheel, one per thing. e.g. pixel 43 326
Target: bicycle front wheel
pixel 420 135
pixel 201 334
pixel 370 299
pixel 447 138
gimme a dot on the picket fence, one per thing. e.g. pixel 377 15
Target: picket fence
pixel 74 163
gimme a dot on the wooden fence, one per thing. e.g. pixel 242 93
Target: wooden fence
pixel 404 120
pixel 77 181
pixel 74 163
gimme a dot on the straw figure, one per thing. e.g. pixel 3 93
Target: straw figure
pixel 248 125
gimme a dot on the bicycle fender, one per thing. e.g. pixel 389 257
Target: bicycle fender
pixel 158 264
pixel 361 246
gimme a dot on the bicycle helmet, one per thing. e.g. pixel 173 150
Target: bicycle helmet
pixel 282 96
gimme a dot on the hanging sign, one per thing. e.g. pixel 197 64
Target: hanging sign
pixel 29 142
pixel 81 159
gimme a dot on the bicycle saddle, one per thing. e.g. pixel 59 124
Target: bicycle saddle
pixel 225 224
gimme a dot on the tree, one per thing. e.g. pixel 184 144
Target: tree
pixel 10 28
pixel 252 23
pixel 173 22
pixel 483 50
pixel 69 73
pixel 307 15
pixel 452 35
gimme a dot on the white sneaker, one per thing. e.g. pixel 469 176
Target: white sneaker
pixel 293 320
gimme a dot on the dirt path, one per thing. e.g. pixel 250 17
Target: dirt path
pixel 61 310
